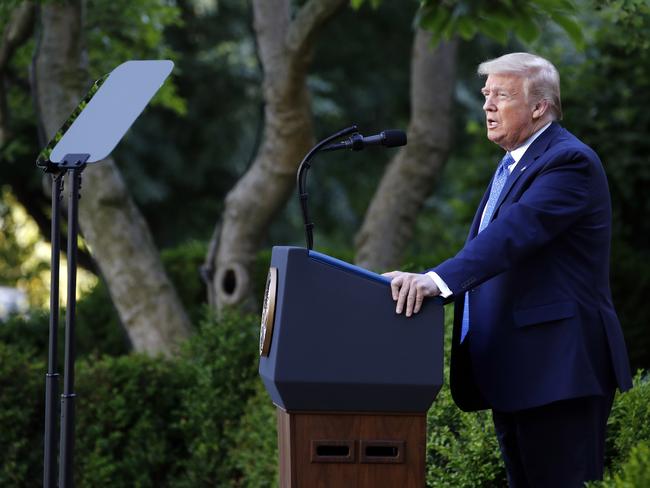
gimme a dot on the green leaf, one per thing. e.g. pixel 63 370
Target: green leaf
pixel 526 29
pixel 572 28
pixel 467 28
pixel 493 28
pixel 434 20
pixel 356 4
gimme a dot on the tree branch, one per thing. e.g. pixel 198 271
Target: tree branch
pixel 410 176
pixel 17 31
pixel 284 47
pixel 145 298
pixel 284 44
pixel 310 17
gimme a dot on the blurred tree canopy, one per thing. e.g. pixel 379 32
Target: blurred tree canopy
pixel 204 130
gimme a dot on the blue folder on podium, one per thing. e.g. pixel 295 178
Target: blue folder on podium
pixel 336 344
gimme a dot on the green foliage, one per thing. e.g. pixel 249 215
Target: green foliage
pixel 632 16
pixel 605 91
pixel 98 329
pixel 6 8
pixel 179 169
pixel 629 422
pixel 631 264
pixel 254 455
pixel 204 419
pixel 22 383
pixel 497 19
pixel 222 360
pixel 356 4
pixel 183 263
pixel 120 30
pixel 142 421
pixel 456 440
pixel 127 420
pixel 18 264
pixel 27 334
pixel 634 473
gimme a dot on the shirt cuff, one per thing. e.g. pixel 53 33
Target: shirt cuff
pixel 442 286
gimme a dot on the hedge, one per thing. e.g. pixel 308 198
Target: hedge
pixel 204 419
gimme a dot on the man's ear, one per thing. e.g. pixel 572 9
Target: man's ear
pixel 540 109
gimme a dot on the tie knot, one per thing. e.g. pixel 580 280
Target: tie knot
pixel 506 161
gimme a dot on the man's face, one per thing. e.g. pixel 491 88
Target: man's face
pixel 510 118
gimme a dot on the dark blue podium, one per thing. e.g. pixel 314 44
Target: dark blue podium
pixel 352 380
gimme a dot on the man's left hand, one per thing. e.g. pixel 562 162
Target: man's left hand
pixel 410 289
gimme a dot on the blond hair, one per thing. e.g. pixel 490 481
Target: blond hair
pixel 541 78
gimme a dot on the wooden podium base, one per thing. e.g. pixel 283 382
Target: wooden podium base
pixel 351 450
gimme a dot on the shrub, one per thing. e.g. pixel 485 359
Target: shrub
pixel 140 421
pixel 127 428
pixel 124 419
pixel 28 334
pixel 183 264
pixel 222 360
pixel 629 421
pixel 633 473
pixel 204 419
pixel 254 452
pixel 459 440
pixel 22 394
pixel 97 328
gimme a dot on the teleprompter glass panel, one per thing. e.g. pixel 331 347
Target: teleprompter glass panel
pixel 111 106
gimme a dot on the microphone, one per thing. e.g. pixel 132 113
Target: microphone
pixel 388 138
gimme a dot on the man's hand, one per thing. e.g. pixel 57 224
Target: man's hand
pixel 410 289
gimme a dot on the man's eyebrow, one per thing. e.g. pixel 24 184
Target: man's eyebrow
pixel 499 89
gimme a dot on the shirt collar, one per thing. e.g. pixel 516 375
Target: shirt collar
pixel 518 153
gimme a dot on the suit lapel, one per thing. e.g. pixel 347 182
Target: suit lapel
pixel 536 149
pixel 473 230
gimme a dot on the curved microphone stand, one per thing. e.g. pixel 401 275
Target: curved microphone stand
pixel 302 180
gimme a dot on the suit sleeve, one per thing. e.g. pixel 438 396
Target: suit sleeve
pixel 558 196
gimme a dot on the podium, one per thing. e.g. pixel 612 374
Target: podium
pixel 351 379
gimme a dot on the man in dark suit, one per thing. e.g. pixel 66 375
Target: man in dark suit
pixel 536 337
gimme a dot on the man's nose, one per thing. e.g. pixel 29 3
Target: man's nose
pixel 489 105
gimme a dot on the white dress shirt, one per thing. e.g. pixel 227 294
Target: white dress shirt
pixel 516 154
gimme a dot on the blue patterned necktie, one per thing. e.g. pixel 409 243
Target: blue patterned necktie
pixel 497 185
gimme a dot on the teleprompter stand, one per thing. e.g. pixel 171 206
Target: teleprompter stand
pixel 72 165
pixel 88 136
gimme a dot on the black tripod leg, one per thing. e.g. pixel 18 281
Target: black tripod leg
pixel 67 399
pixel 52 377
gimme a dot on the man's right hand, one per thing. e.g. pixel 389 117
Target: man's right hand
pixel 410 289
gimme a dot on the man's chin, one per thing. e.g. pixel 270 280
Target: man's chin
pixel 493 136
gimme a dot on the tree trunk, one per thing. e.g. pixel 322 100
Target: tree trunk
pixel 413 172
pixel 284 47
pixel 114 229
pixel 17 30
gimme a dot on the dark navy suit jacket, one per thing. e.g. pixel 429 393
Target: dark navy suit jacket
pixel 542 324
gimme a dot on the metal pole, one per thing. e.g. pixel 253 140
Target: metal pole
pixel 66 479
pixel 52 377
